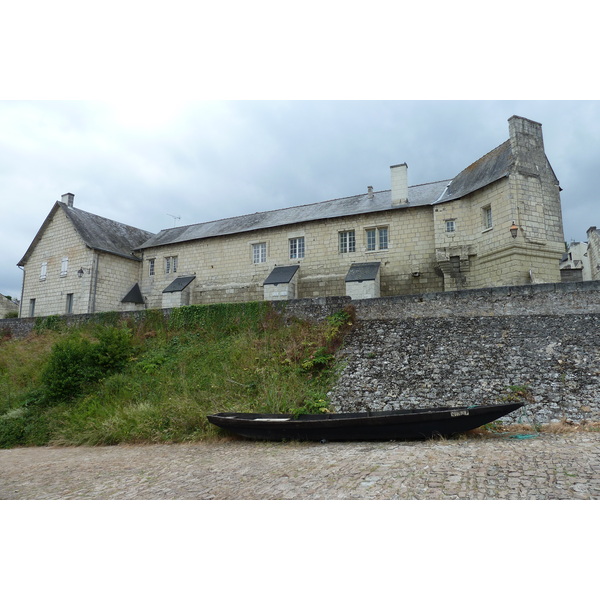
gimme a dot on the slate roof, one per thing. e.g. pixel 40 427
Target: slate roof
pixel 363 272
pixel 179 284
pixel 98 233
pixel 418 195
pixel 281 275
pixel 134 295
pixel 489 168
pixel 106 235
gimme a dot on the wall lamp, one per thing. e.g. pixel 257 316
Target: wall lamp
pixel 80 273
pixel 514 230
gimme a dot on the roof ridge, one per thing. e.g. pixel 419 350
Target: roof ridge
pixel 484 156
pixel 85 212
pixel 274 210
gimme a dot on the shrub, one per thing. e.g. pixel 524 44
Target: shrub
pixel 76 362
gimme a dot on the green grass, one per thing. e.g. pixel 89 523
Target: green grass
pixel 155 381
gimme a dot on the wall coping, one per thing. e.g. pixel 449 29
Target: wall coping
pixel 578 297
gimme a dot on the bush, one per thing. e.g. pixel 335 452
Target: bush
pixel 77 362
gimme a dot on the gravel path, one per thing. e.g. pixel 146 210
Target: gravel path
pixel 549 466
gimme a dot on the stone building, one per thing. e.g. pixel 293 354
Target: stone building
pixel 8 306
pixel 593 236
pixel 575 263
pixel 79 263
pixel 498 222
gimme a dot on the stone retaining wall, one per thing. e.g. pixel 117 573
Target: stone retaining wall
pixel 473 346
pixel 458 348
pixel 450 361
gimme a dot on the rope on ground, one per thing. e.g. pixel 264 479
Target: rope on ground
pixel 522 436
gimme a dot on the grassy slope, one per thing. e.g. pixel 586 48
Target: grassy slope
pixel 203 359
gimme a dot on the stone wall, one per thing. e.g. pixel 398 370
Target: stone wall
pixel 225 271
pixel 594 252
pixel 453 361
pixel 472 346
pixel 458 348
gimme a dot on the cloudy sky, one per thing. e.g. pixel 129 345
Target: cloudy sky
pixel 157 117
pixel 170 163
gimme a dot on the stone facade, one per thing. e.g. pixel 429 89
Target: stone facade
pixel 51 273
pixel 575 263
pixel 7 306
pixel 594 252
pixel 66 273
pixel 497 223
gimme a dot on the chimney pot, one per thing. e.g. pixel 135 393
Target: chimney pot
pixel 370 191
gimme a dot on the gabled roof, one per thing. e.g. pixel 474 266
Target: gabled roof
pixel 134 295
pixel 418 195
pixel 489 168
pixel 97 233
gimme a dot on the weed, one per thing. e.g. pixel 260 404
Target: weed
pixel 155 379
pixel 50 323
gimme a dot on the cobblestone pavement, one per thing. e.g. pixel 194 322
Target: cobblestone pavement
pixel 549 466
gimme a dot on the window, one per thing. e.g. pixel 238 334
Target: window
pixel 64 266
pixel 371 243
pixel 383 238
pixel 487 217
pixel 297 247
pixel 347 241
pixel 377 238
pixel 151 263
pixel 450 226
pixel 170 264
pixel 259 253
pixel 32 307
pixel 43 271
pixel 69 306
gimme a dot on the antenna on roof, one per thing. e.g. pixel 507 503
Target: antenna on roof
pixel 175 218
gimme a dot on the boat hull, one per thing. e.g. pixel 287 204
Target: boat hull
pixel 362 426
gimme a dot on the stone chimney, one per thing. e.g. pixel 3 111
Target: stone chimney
pixel 370 191
pixel 67 199
pixel 399 174
pixel 527 145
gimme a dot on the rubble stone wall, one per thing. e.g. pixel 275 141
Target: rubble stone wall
pixel 460 348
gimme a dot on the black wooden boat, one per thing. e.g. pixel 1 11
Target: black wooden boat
pixel 415 424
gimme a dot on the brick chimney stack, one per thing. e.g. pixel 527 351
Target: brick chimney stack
pixel 399 174
pixel 67 199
